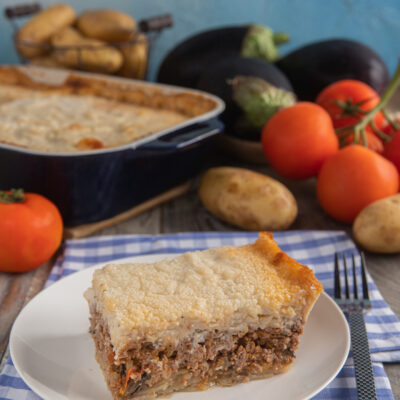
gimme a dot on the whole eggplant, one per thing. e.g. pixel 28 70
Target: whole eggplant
pixel 216 80
pixel 313 67
pixel 183 64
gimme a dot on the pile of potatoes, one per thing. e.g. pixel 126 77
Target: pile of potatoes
pixel 102 41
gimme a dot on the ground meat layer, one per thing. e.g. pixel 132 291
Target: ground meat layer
pixel 219 358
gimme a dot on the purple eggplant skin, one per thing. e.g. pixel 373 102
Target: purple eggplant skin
pixel 313 67
pixel 184 64
pixel 216 80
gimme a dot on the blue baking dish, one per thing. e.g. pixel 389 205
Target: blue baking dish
pixel 91 186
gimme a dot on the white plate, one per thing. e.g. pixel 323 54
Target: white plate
pixel 54 353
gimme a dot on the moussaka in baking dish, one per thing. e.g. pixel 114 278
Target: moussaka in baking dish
pixel 215 317
pixel 85 113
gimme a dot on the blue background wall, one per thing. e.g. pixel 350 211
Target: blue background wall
pixel 374 22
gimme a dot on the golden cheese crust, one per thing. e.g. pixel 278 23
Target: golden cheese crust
pixel 80 112
pixel 68 123
pixel 227 288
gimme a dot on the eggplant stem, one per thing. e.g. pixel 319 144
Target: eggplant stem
pixel 281 38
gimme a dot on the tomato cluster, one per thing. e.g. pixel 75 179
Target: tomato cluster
pixel 344 140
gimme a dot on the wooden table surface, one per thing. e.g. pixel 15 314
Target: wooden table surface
pixel 186 214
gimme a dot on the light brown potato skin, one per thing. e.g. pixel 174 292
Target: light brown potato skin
pixel 104 59
pixel 377 226
pixel 135 58
pixel 66 37
pixel 247 199
pixel 107 25
pixel 40 28
pixel 46 61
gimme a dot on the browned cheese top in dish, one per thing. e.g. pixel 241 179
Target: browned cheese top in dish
pixel 69 123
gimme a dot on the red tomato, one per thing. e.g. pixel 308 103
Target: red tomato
pixel 353 178
pixel 351 91
pixel 30 233
pixel 389 129
pixel 373 142
pixel 298 139
pixel 392 149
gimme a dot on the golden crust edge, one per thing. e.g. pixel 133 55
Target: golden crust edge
pixel 290 268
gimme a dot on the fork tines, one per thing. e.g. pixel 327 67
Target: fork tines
pixel 349 303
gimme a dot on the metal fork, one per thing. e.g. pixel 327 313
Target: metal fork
pixel 354 308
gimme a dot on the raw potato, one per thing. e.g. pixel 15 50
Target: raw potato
pixel 135 58
pixel 107 25
pixel 40 28
pixel 45 61
pixel 377 226
pixel 66 37
pixel 247 199
pixel 105 59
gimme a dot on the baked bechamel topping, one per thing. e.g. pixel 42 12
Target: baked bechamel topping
pixel 228 288
pixel 68 122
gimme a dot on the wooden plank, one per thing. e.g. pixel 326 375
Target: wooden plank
pixel 12 302
pixel 19 290
pixel 385 271
pixel 187 214
pixel 89 229
pixel 393 372
pixel 146 223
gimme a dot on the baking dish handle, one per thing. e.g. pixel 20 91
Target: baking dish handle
pixel 185 137
pixel 156 24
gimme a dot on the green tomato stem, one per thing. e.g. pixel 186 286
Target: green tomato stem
pixel 382 135
pixel 364 137
pixel 13 196
pixel 391 121
pixel 387 95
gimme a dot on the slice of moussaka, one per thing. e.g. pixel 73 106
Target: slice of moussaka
pixel 216 317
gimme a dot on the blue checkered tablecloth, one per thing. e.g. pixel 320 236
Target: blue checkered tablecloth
pixel 313 248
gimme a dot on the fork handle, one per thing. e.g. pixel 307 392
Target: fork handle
pixel 362 358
